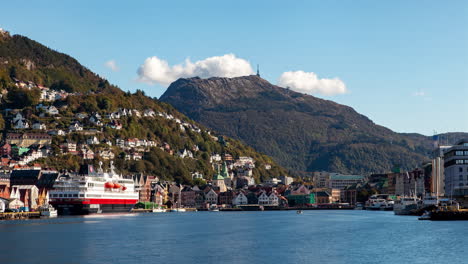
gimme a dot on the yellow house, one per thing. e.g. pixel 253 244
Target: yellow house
pixel 28 139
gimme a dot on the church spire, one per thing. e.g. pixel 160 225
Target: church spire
pixel 258 70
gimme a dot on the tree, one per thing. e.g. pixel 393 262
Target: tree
pixel 199 182
pixel 62 85
pixel 13 72
pixel 104 103
pixel 20 98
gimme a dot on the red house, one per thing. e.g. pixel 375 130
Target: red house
pixel 5 150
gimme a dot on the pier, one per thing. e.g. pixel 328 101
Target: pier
pixel 19 215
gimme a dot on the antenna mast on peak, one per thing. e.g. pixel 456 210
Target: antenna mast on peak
pixel 258 70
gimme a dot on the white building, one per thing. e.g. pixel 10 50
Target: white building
pixel 215 158
pixel 340 181
pixel 273 199
pixel 92 141
pixel 21 124
pixel 211 197
pixel 39 126
pixel 240 199
pixel 263 199
pixel 76 126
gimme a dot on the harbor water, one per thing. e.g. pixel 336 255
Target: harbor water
pixel 350 236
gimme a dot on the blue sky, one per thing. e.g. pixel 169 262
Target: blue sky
pixel 404 63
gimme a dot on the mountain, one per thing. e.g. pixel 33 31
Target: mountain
pixel 302 132
pixel 26 59
pixel 36 81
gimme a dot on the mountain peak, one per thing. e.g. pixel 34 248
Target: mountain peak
pixel 220 90
pixel 302 132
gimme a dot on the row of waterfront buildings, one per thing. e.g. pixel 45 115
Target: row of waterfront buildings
pixel 30 188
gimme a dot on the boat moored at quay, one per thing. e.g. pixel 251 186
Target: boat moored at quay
pixel 89 192
pixel 381 202
pixel 406 206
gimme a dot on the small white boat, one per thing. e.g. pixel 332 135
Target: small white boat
pixel 159 210
pixel 213 208
pixel 299 212
pixel 47 210
pixel 425 216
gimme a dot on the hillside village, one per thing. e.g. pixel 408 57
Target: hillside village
pixel 49 130
pixel 57 116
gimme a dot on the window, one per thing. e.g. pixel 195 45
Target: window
pixel 60 195
pixel 75 195
pixel 460 177
pixel 460 169
pixel 81 195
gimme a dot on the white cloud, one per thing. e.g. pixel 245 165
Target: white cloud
pixel 157 71
pixel 112 65
pixel 419 93
pixel 309 83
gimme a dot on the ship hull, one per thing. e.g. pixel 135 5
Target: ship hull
pixel 405 210
pixel 449 215
pixel 93 207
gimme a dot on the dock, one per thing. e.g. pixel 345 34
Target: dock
pixel 166 210
pixel 19 215
pixel 440 215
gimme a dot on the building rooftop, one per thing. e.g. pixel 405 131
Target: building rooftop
pixel 337 176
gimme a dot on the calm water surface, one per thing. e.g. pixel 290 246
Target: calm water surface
pixel 235 237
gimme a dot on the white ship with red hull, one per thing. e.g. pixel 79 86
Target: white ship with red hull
pixel 89 192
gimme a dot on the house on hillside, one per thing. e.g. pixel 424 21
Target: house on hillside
pixel 106 154
pixel 5 150
pixel 52 110
pixel 58 132
pixel 21 124
pixel 69 146
pixel 81 115
pixel 86 153
pixel 115 124
pixel 149 113
pixel 136 113
pixel 95 119
pixel 38 126
pixel 184 153
pixel 75 126
pixel 215 158
pixel 92 141
pixel 17 117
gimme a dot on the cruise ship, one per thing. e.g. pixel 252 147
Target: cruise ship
pixel 89 192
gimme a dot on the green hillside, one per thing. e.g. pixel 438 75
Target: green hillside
pixel 24 61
